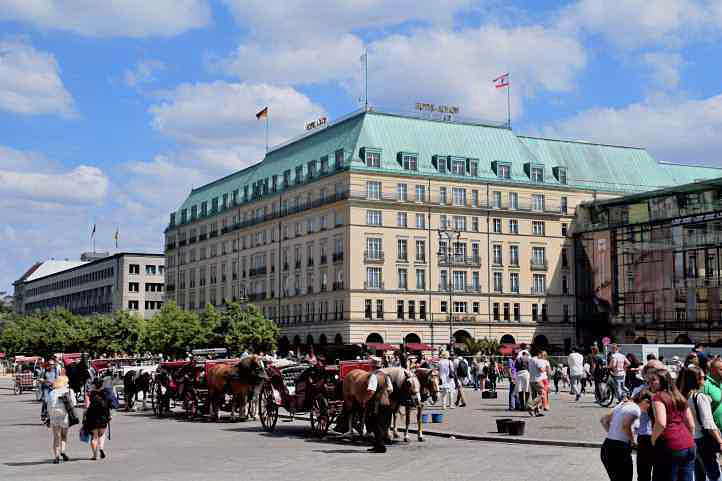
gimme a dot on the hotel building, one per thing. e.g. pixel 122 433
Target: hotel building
pixel 389 228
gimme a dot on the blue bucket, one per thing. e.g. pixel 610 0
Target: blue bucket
pixel 426 418
pixel 437 418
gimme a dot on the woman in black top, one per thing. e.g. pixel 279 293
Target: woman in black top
pixel 97 417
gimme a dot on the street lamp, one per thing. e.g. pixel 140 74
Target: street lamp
pixel 450 236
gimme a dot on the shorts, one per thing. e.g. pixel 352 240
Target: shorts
pixel 522 381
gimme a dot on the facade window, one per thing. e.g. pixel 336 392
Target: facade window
pixel 459 196
pixel 565 285
pixel 504 171
pixel 538 256
pixel 475 281
pixel 420 193
pixel 475 198
pixel 514 282
pixel 565 313
pixel 475 224
pixel 562 173
pixel 420 221
pixel 134 286
pixel 475 307
pixel 373 190
pixel 402 250
pixel 442 195
pixel 379 309
pixel 496 200
pixel 534 312
pixel 412 309
pixel 134 268
pixel 513 200
pixel 442 248
pixel 459 307
pixel 373 248
pixel 403 279
pixel 409 161
pixel 506 311
pixel 421 279
pixel 458 166
pixel 444 306
pixel 402 192
pixel 537 174
pixel 459 223
pixel 442 221
pixel 420 250
pixel 537 227
pixel 539 282
pixel 373 217
pixel 496 226
pixel 473 168
pixel 399 309
pixel 537 202
pixel 496 249
pixel 544 313
pixel 475 251
pixel 422 310
pixel 133 305
pixel 498 287
pixel 514 255
pixel 373 278
pixel 513 226
pixel 401 219
pixel 373 159
pixel 496 311
pixel 565 259
pixel 563 205
pixel 565 230
pixel 517 312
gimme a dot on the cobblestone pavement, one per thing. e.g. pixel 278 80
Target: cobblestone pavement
pixel 566 420
pixel 143 448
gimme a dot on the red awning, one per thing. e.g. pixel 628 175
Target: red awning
pixel 382 346
pixel 417 346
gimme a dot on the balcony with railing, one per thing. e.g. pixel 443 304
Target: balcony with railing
pixel 460 288
pixel 373 256
pixel 459 261
pixel 538 264
pixel 373 285
pixel 338 286
pixel 258 271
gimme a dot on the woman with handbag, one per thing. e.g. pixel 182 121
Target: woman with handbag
pixel 706 434
pixel 61 415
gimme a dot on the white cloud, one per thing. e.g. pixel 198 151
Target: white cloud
pixel 221 115
pixel 143 72
pixel 458 67
pixel 634 24
pixel 83 184
pixel 682 131
pixel 109 18
pixel 30 81
pixel 665 68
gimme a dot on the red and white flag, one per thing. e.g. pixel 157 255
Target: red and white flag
pixel 502 81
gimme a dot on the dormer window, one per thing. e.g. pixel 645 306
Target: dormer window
pixel 184 216
pixel 458 166
pixel 214 206
pixel 473 167
pixel 338 159
pixel 286 178
pixel 561 174
pixel 245 193
pixel 204 208
pixel 274 183
pixel 299 174
pixel 172 218
pixel 312 169
pixel 194 212
pixel 502 169
pixel 537 174
pixel 409 161
pixel 373 159
pixel 324 164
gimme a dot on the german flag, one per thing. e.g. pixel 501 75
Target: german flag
pixel 262 114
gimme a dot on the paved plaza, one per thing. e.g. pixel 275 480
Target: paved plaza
pixel 145 448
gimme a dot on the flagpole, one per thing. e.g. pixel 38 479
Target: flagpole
pixel 366 80
pixel 266 132
pixel 508 101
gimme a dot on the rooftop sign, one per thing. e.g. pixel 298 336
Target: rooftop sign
pixel 316 123
pixel 442 109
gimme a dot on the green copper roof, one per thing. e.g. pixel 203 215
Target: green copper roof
pixel 588 165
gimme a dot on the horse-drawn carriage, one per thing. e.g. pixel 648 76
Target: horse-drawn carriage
pixel 305 388
pixel 26 368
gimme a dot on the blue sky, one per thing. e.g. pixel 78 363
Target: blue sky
pixel 111 111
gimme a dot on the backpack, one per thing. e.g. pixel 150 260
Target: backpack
pixel 462 370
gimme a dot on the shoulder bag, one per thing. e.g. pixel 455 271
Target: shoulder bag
pixel 709 443
pixel 72 416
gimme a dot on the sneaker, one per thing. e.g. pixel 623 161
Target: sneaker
pixel 56 461
pixel 65 457
pixel 577 398
pixel 102 454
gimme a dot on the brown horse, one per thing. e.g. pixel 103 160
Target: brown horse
pixel 429 383
pixel 369 399
pixel 407 393
pixel 241 380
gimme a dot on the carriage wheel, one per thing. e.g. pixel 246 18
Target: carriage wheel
pixel 190 404
pixel 320 419
pixel 267 408
pixel 17 388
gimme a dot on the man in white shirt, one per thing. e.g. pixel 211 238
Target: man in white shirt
pixel 618 364
pixel 576 372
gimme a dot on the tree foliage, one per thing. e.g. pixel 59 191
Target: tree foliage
pixel 171 332
pixel 481 346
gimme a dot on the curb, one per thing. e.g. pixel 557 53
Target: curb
pixel 491 439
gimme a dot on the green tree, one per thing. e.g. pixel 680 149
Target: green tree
pixel 247 328
pixel 171 331
pixel 212 329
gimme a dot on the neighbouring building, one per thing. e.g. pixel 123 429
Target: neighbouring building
pixel 131 281
pixel 391 228
pixel 649 265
